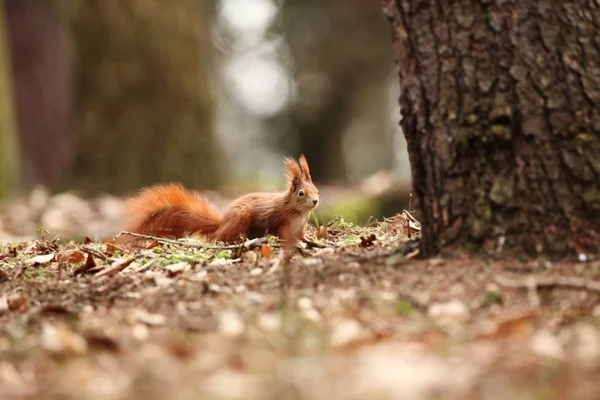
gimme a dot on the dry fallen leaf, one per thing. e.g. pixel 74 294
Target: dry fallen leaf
pixel 115 267
pixel 515 325
pixel 322 232
pixel 18 301
pixel 61 339
pixel 89 264
pixel 266 250
pixel 102 342
pixel 74 257
pixel 41 259
pixel 143 316
pixel 367 241
pixel 110 249
pixel 177 268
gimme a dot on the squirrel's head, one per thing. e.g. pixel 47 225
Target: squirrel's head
pixel 303 193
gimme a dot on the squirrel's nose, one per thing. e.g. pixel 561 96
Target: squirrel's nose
pixel 315 200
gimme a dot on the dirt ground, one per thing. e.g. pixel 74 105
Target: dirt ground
pixel 361 317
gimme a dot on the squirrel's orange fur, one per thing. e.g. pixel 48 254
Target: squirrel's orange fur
pixel 169 210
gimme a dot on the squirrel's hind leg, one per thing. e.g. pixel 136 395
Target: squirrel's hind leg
pixel 235 224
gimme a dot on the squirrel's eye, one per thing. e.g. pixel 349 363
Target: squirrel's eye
pixel 300 193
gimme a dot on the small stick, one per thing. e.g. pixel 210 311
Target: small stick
pixel 146 266
pixel 549 281
pixel 413 219
pixel 248 244
pixel 94 252
pixel 116 267
pixel 311 244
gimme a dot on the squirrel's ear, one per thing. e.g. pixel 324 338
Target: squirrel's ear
pixel 304 166
pixel 293 173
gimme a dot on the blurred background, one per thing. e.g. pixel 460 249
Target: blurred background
pixel 99 98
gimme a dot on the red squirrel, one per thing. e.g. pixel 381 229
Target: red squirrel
pixel 169 210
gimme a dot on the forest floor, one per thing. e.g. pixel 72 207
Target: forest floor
pixel 360 318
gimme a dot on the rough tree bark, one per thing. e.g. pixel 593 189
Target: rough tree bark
pixel 500 108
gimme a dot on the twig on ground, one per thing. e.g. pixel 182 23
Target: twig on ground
pixel 249 244
pixel 116 267
pixel 94 252
pixel 548 281
pixel 310 244
pixel 146 266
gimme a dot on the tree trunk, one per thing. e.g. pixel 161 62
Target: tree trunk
pixel 9 159
pixel 500 109
pixel 41 66
pixel 338 55
pixel 144 107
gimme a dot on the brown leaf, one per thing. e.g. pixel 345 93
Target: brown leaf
pixel 367 241
pixel 87 240
pixel 518 325
pixel 74 257
pixel 89 264
pixel 322 232
pixel 55 310
pixel 102 342
pixel 181 350
pixel 110 249
pixel 18 301
pixel 3 276
pixel 266 250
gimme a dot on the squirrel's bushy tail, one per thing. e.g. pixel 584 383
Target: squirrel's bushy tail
pixel 169 210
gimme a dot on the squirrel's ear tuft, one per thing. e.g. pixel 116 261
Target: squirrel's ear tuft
pixel 292 172
pixel 304 166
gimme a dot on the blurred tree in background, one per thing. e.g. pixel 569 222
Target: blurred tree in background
pixel 113 95
pixel 9 155
pixel 41 66
pixel 339 60
pixel 313 77
pixel 143 101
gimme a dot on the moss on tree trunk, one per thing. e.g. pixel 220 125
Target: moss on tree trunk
pixel 500 109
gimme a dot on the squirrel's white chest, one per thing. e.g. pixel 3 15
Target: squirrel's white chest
pixel 297 223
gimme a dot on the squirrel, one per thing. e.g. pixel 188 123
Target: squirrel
pixel 170 210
